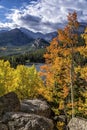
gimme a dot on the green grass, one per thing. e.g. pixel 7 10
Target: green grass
pixel 14 50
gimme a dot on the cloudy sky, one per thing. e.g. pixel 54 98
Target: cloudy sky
pixel 39 15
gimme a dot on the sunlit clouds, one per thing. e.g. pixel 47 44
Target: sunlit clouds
pixel 45 15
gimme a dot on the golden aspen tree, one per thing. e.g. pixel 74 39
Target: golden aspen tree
pixel 60 69
pixel 69 39
pixel 25 81
pixel 6 77
pixel 84 35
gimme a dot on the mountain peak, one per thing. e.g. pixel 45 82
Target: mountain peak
pixel 14 37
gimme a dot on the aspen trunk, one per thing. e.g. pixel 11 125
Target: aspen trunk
pixel 72 81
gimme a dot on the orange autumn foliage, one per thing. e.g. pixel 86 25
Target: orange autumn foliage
pixel 60 68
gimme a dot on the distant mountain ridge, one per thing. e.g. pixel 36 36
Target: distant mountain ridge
pixel 14 37
pixel 22 36
pixel 48 36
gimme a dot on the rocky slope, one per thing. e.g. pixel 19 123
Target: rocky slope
pixel 32 115
pixel 27 115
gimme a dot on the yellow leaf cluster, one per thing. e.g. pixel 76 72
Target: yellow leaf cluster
pixel 25 81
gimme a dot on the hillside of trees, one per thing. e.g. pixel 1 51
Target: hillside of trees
pixel 34 56
pixel 64 72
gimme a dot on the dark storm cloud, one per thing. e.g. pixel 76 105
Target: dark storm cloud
pixel 30 20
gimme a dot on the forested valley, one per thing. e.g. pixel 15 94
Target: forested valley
pixel 34 56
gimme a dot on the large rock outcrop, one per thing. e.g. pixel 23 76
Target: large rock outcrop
pixel 24 121
pixel 9 103
pixel 29 115
pixel 77 124
pixel 36 106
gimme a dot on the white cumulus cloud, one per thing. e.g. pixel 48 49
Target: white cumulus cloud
pixel 46 15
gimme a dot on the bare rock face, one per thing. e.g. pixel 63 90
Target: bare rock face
pixel 8 103
pixel 3 126
pixel 24 121
pixel 77 124
pixel 29 115
pixel 36 106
